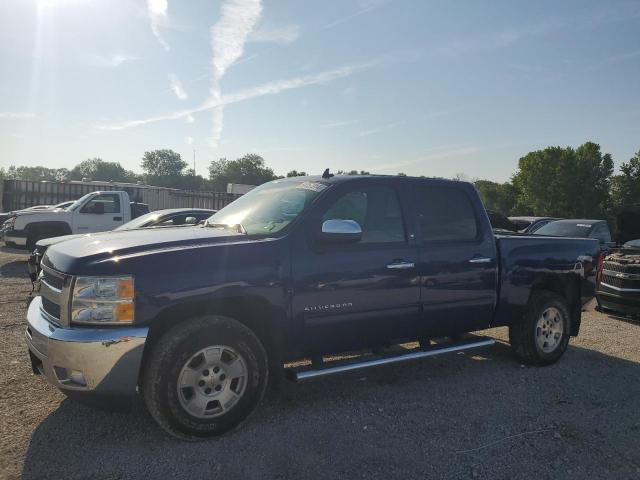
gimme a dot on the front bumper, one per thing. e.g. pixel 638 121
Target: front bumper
pixel 99 364
pixel 620 302
pixel 16 237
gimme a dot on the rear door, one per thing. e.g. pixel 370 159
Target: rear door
pixel 103 212
pixel 457 258
pixel 357 294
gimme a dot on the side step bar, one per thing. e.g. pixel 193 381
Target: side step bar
pixel 306 373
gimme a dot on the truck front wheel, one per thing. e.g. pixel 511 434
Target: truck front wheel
pixel 543 334
pixel 204 377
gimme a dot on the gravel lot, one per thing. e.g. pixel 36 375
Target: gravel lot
pixel 479 415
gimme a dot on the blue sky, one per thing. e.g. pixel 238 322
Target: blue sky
pixel 430 88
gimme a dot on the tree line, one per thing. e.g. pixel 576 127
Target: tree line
pixel 565 182
pixel 562 182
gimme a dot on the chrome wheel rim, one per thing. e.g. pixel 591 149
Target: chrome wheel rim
pixel 549 330
pixel 212 381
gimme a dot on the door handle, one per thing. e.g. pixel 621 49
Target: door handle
pixel 401 265
pixel 480 260
pixel 117 219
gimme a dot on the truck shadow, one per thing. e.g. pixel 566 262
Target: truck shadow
pixel 444 405
pixel 15 269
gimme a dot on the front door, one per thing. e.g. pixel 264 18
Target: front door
pixel 353 295
pixel 103 212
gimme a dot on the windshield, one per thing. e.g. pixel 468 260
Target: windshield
pixel 268 208
pixel 139 222
pixel 79 202
pixel 633 244
pixel 562 229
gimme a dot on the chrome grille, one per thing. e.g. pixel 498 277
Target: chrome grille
pixel 54 288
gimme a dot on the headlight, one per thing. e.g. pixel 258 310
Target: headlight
pixel 102 300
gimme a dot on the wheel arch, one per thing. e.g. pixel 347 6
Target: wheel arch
pixel 254 312
pixel 566 286
pixel 57 227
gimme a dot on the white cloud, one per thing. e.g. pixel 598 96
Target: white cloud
pixel 189 119
pixel 228 36
pixel 269 88
pixel 283 35
pixel 189 140
pixel 157 10
pixel 176 86
pixel 230 32
pixel 15 115
pixel 111 61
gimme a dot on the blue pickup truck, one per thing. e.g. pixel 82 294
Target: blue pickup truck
pixel 197 321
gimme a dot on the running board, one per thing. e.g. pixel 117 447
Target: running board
pixel 305 373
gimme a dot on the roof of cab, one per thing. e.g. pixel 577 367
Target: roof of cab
pixel 346 178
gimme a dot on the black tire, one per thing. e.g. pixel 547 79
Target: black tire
pixel 173 351
pixel 523 335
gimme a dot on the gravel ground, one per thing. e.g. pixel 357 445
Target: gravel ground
pixel 476 415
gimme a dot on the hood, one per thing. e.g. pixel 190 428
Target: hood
pixel 47 211
pixel 67 254
pixel 47 242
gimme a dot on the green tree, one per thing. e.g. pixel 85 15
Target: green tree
pixel 564 182
pixel 249 170
pixel 163 167
pixel 37 173
pixel 295 173
pixel 500 197
pixel 98 169
pixel 625 188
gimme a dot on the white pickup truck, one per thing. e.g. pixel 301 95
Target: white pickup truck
pixel 95 212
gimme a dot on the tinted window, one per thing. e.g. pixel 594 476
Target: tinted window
pixel 377 211
pixel 444 213
pixel 563 229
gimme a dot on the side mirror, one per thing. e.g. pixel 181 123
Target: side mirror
pixel 341 231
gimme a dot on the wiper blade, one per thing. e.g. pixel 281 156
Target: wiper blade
pixel 236 228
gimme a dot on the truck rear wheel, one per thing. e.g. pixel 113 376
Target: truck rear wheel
pixel 205 377
pixel 543 335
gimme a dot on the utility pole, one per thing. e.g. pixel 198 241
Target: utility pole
pixel 193 203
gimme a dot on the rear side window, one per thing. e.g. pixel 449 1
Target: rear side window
pixel 601 233
pixel 444 214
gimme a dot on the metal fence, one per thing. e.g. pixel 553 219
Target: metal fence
pixel 18 194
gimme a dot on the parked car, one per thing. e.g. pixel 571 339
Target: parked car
pixel 173 217
pixel 530 224
pixel 619 286
pixel 200 319
pixel 94 212
pixel 579 228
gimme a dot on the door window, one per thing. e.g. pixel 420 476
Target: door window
pixel 106 203
pixel 444 214
pixel 377 211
